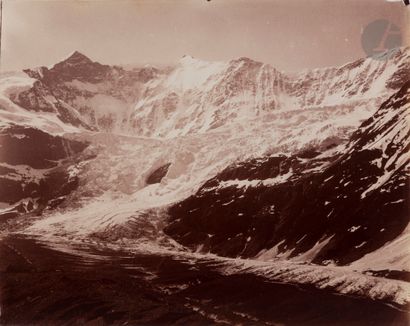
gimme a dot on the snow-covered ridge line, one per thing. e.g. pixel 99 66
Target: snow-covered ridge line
pixel 196 96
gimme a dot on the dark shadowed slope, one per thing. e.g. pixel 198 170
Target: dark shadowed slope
pixel 36 169
pixel 337 210
pixel 42 286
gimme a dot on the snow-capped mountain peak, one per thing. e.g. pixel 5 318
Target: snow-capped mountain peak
pixel 191 73
pixel 186 59
pixel 246 61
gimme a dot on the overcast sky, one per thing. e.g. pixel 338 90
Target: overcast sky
pixel 289 34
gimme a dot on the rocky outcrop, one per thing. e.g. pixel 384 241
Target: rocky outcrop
pixel 157 175
pixel 36 168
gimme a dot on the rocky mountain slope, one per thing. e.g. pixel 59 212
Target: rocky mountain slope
pixel 199 96
pixel 37 169
pixel 309 206
pixel 84 93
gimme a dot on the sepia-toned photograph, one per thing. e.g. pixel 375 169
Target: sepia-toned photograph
pixel 204 162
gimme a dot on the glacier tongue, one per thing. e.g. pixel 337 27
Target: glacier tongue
pixel 115 180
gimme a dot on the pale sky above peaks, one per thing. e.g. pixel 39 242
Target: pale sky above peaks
pixel 291 35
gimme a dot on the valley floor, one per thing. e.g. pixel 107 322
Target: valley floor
pixel 83 284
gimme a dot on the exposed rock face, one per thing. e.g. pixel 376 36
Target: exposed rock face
pixel 36 167
pixel 76 66
pixel 33 147
pixel 313 207
pixel 157 175
pixel 84 93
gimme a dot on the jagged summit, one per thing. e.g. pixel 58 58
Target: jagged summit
pixel 246 60
pixel 187 59
pixel 77 66
pixel 75 58
pixel 187 56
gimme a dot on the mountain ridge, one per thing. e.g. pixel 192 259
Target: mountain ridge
pixel 197 96
pixel 351 205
